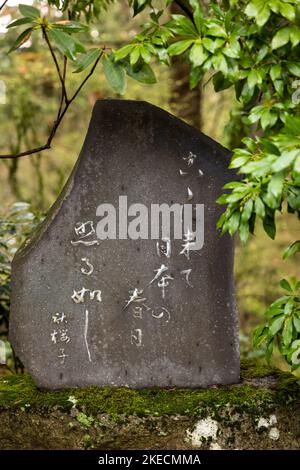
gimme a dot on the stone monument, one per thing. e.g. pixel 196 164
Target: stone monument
pixel 127 282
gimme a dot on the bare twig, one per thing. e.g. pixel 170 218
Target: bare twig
pixel 62 90
pixel 63 108
pixel 3 4
pixel 61 78
pixel 87 77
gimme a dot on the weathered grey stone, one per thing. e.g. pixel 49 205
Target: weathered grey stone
pixel 187 339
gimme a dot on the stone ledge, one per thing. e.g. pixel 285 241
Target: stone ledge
pixel 261 412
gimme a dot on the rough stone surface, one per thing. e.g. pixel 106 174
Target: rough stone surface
pixel 188 338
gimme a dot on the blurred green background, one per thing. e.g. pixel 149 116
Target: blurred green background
pixel 32 94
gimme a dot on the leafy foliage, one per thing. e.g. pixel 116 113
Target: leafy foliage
pixel 15 226
pixel 283 325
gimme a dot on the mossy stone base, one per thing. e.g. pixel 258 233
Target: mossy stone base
pixel 261 412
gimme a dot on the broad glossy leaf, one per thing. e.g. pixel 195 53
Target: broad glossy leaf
pixel 285 160
pixel 19 22
pixel 87 59
pixel 179 47
pixel 29 11
pixel 198 55
pixel 115 75
pixel 281 38
pixel 70 26
pixel 285 285
pixel 276 324
pixel 291 249
pixel 65 43
pixel 21 39
pixel 143 74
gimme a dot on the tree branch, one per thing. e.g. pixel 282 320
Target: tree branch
pixel 63 108
pixel 185 8
pixel 63 95
pixel 3 4
pixel 61 78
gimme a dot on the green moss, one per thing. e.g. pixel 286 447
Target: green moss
pixel 20 391
pixel 251 369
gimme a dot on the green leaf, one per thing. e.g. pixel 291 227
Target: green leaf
pixel 123 52
pixel 294 68
pixel 29 11
pixel 275 185
pixel 145 54
pixel 198 17
pixel 19 22
pixel 196 75
pixel 237 162
pixel 233 222
pixel 255 114
pixel 259 10
pixel 288 11
pixel 273 311
pixel 21 39
pixel 263 51
pixel 222 199
pixel 259 207
pixel 285 160
pixel 253 8
pixel 143 74
pixel 212 44
pixel 135 55
pixel 244 231
pixel 287 332
pixel 275 72
pixel 292 125
pixel 70 26
pixel 247 93
pixel 233 48
pixel 216 30
pixel 65 43
pixel 269 147
pixel 183 26
pixel 259 335
pixel 87 59
pixel 284 284
pixel 296 322
pixel 198 55
pixel 288 308
pixel 220 63
pixel 294 35
pixel 269 226
pixel 276 324
pixel 260 167
pixel 254 78
pixel 281 38
pixel 115 75
pixel 234 185
pixel 291 249
pixel 179 47
pixel 279 302
pixel 138 6
pixel 269 350
pixel 220 82
pixel 247 211
pixel 268 119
